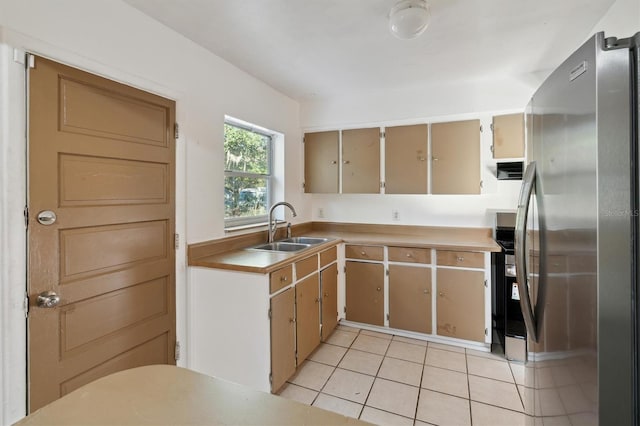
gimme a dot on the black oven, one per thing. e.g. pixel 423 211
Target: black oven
pixel 507 316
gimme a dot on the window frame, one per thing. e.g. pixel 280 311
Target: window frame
pixel 247 221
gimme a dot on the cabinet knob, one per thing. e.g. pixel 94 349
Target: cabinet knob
pixel 334 162
pixel 435 159
pixel 283 278
pixel 317 300
pixel 426 291
pixel 326 295
pixel 460 259
pixel 347 162
pixel 378 288
pixel 441 294
pixel 291 321
pixel 409 255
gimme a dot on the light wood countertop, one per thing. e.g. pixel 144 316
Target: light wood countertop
pixel 169 395
pixel 241 259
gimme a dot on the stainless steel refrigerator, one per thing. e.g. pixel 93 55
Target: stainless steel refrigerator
pixel 577 239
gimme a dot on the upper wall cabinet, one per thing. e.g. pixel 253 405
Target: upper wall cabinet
pixel 508 136
pixel 361 161
pixel 455 150
pixel 321 154
pixel 406 159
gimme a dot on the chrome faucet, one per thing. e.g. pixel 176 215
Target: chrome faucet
pixel 272 223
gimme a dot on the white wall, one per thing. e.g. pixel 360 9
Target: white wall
pixel 110 38
pixel 621 20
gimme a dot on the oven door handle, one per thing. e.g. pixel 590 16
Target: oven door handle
pixel 528 185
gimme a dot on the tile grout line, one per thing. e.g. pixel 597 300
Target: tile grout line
pixel 466 363
pixel 364 404
pixel 424 366
pixel 517 389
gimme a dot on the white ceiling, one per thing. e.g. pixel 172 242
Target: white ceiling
pixel 314 49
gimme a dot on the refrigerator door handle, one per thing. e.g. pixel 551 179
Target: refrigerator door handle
pixel 528 184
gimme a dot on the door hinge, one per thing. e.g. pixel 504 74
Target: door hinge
pixel 25 305
pixel 481 128
pixel 486 331
pixel 382 185
pixel 25 212
pixel 481 184
pixel 176 241
pixel 270 378
pixel 383 134
pixel 176 351
pixel 303 186
pixel 345 309
pixel 387 317
pixel 387 271
pixel 485 284
pixel 270 314
pixel 491 126
pixel 345 269
pixel 491 148
pixel 176 131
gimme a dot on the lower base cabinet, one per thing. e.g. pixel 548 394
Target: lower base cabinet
pixel 364 292
pixel 329 292
pixel 460 304
pixel 283 343
pixel 307 316
pixel 410 298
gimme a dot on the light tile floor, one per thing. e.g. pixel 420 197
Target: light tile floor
pixel 393 380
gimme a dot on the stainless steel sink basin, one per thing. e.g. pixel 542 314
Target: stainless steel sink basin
pixel 305 240
pixel 281 246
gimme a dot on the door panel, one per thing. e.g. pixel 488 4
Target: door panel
pixel 329 281
pixel 361 161
pixel 307 316
pixel 460 305
pixel 455 151
pixel 321 162
pixel 508 136
pixel 406 159
pixel 100 157
pixel 283 335
pixel 410 298
pixel 365 294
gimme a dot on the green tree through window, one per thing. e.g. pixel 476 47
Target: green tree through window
pixel 247 156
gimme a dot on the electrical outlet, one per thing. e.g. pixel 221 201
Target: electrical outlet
pixel 320 212
pixel 395 214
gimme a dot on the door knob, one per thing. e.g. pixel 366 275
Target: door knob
pixel 48 299
pixel 47 217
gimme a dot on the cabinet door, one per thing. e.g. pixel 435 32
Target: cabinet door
pixel 406 159
pixel 361 161
pixel 460 304
pixel 283 349
pixel 365 295
pixel 307 316
pixel 321 162
pixel 410 298
pixel 508 136
pixel 329 283
pixel 455 151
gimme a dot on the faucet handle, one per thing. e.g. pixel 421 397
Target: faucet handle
pixel 289 230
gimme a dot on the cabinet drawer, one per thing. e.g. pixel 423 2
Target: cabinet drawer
pixel 306 266
pixel 281 278
pixel 409 254
pixel 328 256
pixel 467 259
pixel 364 252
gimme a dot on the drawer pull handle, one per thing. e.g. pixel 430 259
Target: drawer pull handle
pixel 347 162
pixel 426 292
pixel 326 295
pixel 409 255
pixel 334 162
pixel 441 294
pixel 363 253
pixel 460 259
pixel 283 279
pixel 378 289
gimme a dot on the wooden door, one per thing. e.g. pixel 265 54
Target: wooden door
pixel 410 298
pixel 508 136
pixel 307 316
pixel 365 292
pixel 321 162
pixel 361 161
pixel 283 334
pixel 406 159
pixel 102 159
pixel 329 283
pixel 455 155
pixel 460 304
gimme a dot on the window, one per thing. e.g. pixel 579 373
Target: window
pixel 247 175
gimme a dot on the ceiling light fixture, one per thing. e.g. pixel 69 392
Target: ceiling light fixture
pixel 409 18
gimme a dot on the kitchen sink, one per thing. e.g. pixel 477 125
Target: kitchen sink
pixel 305 240
pixel 281 246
